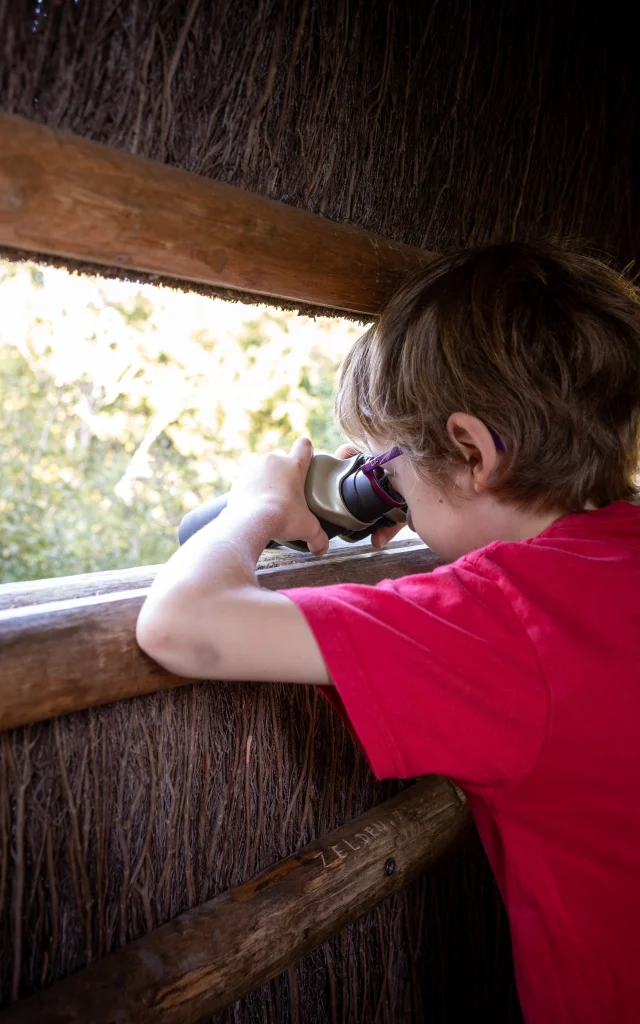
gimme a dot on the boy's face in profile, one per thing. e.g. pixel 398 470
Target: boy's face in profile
pixel 465 514
pixel 440 524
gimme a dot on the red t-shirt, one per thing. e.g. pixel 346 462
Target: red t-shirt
pixel 515 671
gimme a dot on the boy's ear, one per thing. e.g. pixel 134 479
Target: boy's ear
pixel 475 443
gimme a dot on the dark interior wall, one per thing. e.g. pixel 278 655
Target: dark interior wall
pixel 115 820
pixel 433 123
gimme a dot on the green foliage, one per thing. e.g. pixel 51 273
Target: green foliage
pixel 59 514
pixel 272 416
pixel 252 337
pixel 318 380
pixel 123 406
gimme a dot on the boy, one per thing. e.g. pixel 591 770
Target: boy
pixel 509 377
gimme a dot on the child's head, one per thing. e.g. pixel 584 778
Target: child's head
pixel 510 378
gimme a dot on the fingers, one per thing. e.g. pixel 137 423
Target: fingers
pixel 382 536
pixel 318 543
pixel 346 451
pixel 302 451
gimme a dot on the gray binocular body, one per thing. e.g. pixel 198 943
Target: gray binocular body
pixel 347 502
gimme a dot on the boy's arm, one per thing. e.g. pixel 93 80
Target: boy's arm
pixel 207 618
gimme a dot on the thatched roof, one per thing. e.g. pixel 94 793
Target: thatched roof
pixel 431 123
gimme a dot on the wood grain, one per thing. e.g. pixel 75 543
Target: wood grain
pixel 61 195
pixel 91 584
pixel 78 652
pixel 209 957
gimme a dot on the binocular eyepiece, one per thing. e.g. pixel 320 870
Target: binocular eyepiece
pixel 350 497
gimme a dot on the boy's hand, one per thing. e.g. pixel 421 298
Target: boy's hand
pixel 382 536
pixel 276 487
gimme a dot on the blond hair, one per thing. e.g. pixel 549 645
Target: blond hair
pixel 539 341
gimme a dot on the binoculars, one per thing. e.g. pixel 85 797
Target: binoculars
pixel 351 497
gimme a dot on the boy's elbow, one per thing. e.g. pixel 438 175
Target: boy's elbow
pixel 165 637
pixel 157 636
pixel 153 634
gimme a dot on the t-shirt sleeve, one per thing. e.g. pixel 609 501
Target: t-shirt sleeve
pixel 434 673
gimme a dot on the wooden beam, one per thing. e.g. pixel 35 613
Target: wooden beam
pixel 61 195
pixel 109 581
pixel 78 652
pixel 213 955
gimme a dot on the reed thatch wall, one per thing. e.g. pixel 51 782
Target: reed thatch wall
pixel 113 821
pixel 432 123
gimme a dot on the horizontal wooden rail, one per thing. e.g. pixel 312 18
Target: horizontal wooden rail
pixel 91 584
pixel 211 956
pixel 75 653
pixel 65 588
pixel 61 195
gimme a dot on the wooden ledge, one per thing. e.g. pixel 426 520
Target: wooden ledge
pixel 61 195
pixel 92 584
pixel 79 651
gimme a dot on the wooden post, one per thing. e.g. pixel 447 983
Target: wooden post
pixel 78 652
pixel 64 196
pixel 211 956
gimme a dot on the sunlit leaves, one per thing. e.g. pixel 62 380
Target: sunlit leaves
pixel 124 405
